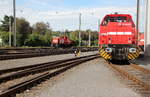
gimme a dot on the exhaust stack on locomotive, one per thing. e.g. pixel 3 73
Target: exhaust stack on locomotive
pixel 118 37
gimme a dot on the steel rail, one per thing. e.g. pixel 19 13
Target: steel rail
pixel 38 69
pixel 19 56
pixel 129 76
pixel 41 52
pixel 41 64
pixel 24 85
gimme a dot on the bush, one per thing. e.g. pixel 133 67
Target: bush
pixel 5 37
pixel 34 40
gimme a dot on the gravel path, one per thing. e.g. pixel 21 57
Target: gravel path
pixel 91 79
pixel 5 64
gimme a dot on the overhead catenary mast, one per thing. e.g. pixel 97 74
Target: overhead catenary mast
pixel 10 30
pixel 138 18
pixel 14 24
pixel 80 29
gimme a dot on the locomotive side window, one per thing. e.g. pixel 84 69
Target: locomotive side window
pixel 105 21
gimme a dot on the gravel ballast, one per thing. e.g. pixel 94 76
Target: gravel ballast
pixel 90 79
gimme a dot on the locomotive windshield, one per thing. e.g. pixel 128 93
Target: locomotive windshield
pixel 115 19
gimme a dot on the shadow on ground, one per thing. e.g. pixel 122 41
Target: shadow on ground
pixel 142 60
pixel 120 62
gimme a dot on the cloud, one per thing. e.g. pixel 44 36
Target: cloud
pixel 5 7
pixel 69 19
pixel 62 17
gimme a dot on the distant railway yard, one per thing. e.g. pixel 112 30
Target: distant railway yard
pixel 67 75
pixel 15 53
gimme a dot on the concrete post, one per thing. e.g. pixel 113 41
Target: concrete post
pixel 89 38
pixel 80 29
pixel 147 29
pixel 14 15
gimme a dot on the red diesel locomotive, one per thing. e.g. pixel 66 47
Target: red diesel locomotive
pixel 61 41
pixel 118 37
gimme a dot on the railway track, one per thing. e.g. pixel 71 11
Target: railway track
pixel 138 76
pixel 32 53
pixel 16 80
pixel 17 53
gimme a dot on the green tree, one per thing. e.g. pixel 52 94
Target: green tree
pixel 6 23
pixel 47 39
pixel 34 39
pixel 56 33
pixel 66 33
pixel 74 35
pixel 23 30
pixel 41 28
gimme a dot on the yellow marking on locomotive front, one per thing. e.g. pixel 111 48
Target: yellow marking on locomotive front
pixel 129 57
pixel 101 50
pixel 106 55
pixel 133 54
pixel 132 57
pixel 102 54
pixel 137 54
pixel 110 56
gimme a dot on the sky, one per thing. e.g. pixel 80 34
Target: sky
pixel 64 14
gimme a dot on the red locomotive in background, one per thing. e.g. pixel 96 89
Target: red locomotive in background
pixel 118 37
pixel 61 41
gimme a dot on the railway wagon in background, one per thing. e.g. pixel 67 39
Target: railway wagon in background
pixel 61 41
pixel 118 37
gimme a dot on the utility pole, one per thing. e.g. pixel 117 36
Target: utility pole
pixel 138 19
pixel 98 22
pixel 80 29
pixel 10 31
pixel 89 38
pixel 145 32
pixel 98 32
pixel 14 15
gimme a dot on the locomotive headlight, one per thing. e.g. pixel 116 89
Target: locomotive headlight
pixel 108 50
pixel 132 50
